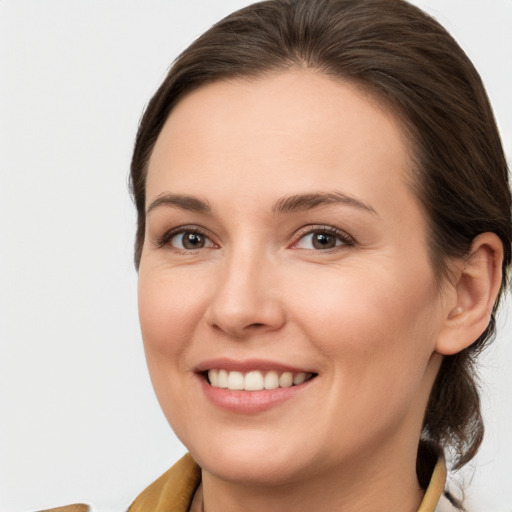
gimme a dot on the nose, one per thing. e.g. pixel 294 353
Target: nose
pixel 247 299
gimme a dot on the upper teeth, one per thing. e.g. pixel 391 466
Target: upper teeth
pixel 255 380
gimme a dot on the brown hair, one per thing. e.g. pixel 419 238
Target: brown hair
pixel 407 60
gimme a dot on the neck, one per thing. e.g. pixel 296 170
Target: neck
pixel 369 484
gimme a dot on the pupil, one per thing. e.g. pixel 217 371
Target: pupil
pixel 323 241
pixel 193 241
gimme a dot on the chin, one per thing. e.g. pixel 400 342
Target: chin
pixel 250 460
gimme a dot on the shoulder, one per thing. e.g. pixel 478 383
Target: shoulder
pixel 445 504
pixel 174 490
pixel 77 507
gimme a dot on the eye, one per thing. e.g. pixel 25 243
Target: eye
pixel 190 241
pixel 323 239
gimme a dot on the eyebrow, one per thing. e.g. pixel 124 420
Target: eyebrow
pixel 309 201
pixel 287 204
pixel 182 201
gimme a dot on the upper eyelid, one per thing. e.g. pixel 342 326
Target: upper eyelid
pixel 307 230
pixel 163 239
pixel 167 236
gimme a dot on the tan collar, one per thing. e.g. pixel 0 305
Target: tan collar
pixel 435 487
pixel 175 489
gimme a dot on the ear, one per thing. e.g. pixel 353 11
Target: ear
pixel 476 283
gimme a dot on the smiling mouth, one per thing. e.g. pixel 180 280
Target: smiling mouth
pixel 255 380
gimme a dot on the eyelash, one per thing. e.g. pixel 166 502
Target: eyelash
pixel 166 238
pixel 344 238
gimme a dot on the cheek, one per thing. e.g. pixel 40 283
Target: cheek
pixel 169 311
pixel 171 306
pixel 372 320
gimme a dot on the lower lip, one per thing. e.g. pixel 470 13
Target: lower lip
pixel 248 402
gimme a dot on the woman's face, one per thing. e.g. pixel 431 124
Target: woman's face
pixel 284 243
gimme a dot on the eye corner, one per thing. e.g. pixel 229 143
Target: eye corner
pixel 329 239
pixel 175 239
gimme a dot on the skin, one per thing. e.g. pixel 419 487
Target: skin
pixel 366 316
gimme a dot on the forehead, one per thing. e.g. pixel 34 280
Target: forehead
pixel 297 128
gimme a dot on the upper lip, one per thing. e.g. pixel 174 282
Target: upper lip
pixel 247 365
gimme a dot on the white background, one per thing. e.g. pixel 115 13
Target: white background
pixel 78 419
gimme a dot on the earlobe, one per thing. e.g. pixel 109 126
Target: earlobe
pixel 477 284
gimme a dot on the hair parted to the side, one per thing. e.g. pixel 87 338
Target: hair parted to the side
pixel 405 59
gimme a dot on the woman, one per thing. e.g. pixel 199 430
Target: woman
pixel 323 238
